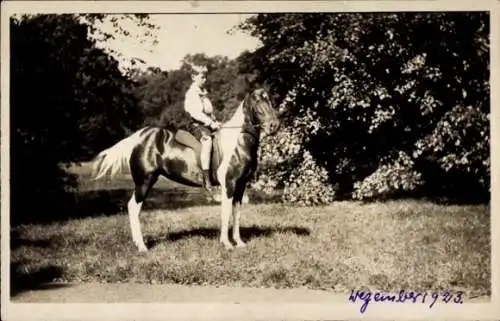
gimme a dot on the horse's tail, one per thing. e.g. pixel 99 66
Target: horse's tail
pixel 116 158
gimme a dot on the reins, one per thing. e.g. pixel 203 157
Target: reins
pixel 247 132
pixel 258 125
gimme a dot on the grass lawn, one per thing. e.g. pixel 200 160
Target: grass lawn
pixel 381 246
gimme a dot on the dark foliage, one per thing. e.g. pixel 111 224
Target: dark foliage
pixel 377 104
pixel 68 101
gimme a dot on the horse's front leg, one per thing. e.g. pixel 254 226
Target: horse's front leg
pixel 236 225
pixel 226 211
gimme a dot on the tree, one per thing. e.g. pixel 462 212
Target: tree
pixel 105 29
pixel 393 97
pixel 161 94
pixel 68 101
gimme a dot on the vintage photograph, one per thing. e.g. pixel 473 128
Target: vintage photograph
pixel 338 157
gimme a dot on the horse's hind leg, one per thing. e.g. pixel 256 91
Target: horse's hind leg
pixel 134 208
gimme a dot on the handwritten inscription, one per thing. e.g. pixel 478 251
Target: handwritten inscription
pixel 430 298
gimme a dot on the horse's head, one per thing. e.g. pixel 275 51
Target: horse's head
pixel 261 111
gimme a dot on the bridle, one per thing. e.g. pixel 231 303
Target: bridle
pixel 251 125
pixel 253 134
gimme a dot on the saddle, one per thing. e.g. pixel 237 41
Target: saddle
pixel 187 139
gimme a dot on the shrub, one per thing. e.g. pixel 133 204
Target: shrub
pixel 389 179
pixel 308 184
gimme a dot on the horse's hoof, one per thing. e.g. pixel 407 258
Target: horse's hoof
pixel 227 245
pixel 241 244
pixel 217 198
pixel 142 248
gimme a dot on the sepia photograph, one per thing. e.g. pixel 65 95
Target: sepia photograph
pixel 249 160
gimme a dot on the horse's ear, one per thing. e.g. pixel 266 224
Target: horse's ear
pixel 253 86
pixel 261 85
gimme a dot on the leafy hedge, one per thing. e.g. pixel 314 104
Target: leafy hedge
pixel 376 102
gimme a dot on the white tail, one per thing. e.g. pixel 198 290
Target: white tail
pixel 116 158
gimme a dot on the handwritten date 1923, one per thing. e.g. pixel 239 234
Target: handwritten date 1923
pixel 431 298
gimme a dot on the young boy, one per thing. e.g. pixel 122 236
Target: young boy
pixel 199 107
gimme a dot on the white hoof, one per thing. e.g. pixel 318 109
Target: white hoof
pixel 227 244
pixel 217 198
pixel 240 244
pixel 142 247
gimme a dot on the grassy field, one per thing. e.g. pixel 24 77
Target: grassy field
pixel 381 246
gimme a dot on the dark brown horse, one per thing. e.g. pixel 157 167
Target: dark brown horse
pixel 154 151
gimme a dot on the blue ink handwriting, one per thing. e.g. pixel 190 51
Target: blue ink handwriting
pixel 414 297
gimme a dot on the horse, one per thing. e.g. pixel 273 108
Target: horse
pixel 175 154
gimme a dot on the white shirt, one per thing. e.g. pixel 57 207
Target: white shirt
pixel 197 104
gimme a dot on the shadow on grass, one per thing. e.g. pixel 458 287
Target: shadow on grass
pixel 16 241
pixel 109 202
pixel 95 203
pixel 112 201
pixel 41 279
pixel 247 233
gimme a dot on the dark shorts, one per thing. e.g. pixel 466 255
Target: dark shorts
pixel 199 130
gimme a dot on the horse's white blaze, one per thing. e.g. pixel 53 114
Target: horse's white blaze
pixel 134 209
pixel 115 158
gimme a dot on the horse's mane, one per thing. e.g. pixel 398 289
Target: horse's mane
pixel 231 109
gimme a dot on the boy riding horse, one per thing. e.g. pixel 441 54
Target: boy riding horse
pixel 199 107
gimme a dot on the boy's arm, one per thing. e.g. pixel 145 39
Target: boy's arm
pixel 194 107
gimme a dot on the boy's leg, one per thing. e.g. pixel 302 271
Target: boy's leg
pixel 206 149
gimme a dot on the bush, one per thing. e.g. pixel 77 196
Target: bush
pixel 68 101
pixel 389 180
pixel 360 90
pixel 308 184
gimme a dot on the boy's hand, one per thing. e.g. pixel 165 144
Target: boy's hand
pixel 215 125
